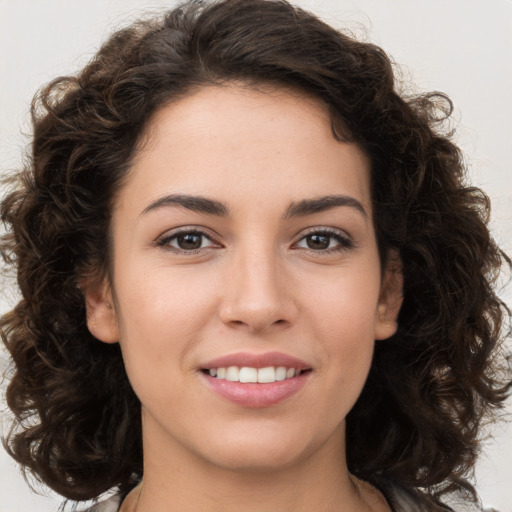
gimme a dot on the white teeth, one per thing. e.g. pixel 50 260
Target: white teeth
pixel 233 373
pixel 280 373
pixel 267 374
pixel 249 374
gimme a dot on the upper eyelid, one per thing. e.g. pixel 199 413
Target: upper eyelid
pixel 187 229
pixel 323 229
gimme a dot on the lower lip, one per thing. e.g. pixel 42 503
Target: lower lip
pixel 257 395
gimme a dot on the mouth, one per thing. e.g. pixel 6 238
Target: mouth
pixel 256 380
pixel 248 374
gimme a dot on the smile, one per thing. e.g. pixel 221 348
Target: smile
pixel 248 374
pixel 256 380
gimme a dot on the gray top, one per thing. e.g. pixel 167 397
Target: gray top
pixel 110 505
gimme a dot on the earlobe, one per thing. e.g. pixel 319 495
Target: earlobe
pixel 101 315
pixel 391 297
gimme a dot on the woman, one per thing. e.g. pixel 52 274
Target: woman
pixel 252 276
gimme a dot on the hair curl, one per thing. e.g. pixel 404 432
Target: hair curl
pixel 418 419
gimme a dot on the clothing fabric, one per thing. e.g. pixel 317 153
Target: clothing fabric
pixel 110 505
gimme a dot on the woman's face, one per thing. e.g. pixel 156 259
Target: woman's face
pixel 243 237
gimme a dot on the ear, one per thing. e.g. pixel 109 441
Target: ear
pixel 391 297
pixel 101 315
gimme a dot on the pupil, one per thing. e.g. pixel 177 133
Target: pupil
pixel 189 241
pixel 318 241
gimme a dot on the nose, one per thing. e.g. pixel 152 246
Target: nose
pixel 257 295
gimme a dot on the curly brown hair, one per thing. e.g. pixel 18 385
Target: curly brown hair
pixel 418 420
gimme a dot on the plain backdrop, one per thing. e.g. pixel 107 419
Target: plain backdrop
pixel 461 47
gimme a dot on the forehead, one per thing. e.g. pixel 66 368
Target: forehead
pixel 233 109
pixel 225 139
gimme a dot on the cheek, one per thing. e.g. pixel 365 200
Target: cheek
pixel 151 296
pixel 343 317
pixel 345 306
pixel 346 334
pixel 160 314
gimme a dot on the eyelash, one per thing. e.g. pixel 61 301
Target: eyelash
pixel 344 242
pixel 165 240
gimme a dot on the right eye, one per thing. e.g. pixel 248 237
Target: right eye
pixel 186 241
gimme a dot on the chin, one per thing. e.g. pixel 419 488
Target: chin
pixel 254 462
pixel 259 453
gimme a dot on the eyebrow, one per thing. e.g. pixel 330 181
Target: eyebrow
pixel 320 204
pixel 197 204
pixel 305 207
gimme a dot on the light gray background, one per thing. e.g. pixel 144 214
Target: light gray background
pixel 461 47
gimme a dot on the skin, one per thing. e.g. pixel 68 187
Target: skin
pixel 254 284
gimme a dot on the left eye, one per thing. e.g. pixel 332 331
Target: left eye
pixel 187 241
pixel 323 241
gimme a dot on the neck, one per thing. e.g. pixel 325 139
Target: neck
pixel 319 482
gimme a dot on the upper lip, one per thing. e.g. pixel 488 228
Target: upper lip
pixel 242 359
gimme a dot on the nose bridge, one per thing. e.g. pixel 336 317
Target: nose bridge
pixel 255 296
